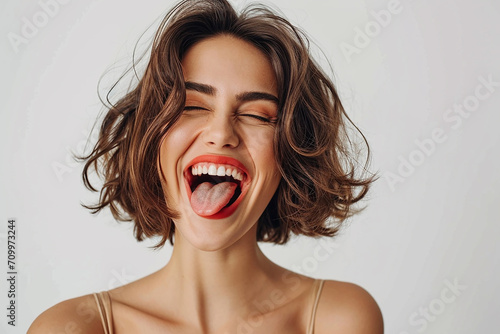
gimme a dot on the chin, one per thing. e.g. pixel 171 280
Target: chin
pixel 210 242
pixel 212 235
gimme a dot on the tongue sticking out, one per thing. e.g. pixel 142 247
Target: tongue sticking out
pixel 208 199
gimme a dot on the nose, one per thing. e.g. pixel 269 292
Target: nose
pixel 220 132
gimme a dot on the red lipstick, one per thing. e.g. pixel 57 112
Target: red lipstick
pixel 220 160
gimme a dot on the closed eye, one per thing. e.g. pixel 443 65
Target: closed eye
pixel 188 108
pixel 260 118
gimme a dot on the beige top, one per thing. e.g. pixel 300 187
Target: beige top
pixel 104 305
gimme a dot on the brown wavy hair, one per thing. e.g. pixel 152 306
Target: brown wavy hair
pixel 316 157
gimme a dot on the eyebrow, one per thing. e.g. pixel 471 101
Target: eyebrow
pixel 242 97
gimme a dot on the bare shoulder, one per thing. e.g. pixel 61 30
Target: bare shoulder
pixel 76 315
pixel 349 309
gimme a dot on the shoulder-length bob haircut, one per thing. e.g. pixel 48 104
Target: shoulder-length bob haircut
pixel 316 158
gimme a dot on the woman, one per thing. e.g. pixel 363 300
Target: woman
pixel 232 136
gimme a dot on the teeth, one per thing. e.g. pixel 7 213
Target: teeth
pixel 212 169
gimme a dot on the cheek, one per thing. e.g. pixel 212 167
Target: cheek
pixel 177 140
pixel 172 148
pixel 164 169
pixel 176 135
pixel 260 141
pixel 260 144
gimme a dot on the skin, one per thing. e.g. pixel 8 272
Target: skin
pixel 218 280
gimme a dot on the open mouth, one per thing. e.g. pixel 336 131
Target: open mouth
pixel 216 185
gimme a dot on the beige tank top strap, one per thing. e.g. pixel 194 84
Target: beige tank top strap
pixel 104 305
pixel 318 286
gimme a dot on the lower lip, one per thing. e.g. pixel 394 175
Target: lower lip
pixel 225 212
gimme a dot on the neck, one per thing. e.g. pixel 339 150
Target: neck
pixel 209 284
pixel 220 269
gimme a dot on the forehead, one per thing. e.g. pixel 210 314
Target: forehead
pixel 229 62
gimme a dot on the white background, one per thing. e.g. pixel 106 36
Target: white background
pixel 438 225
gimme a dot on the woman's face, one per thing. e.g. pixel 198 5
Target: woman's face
pixel 218 160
